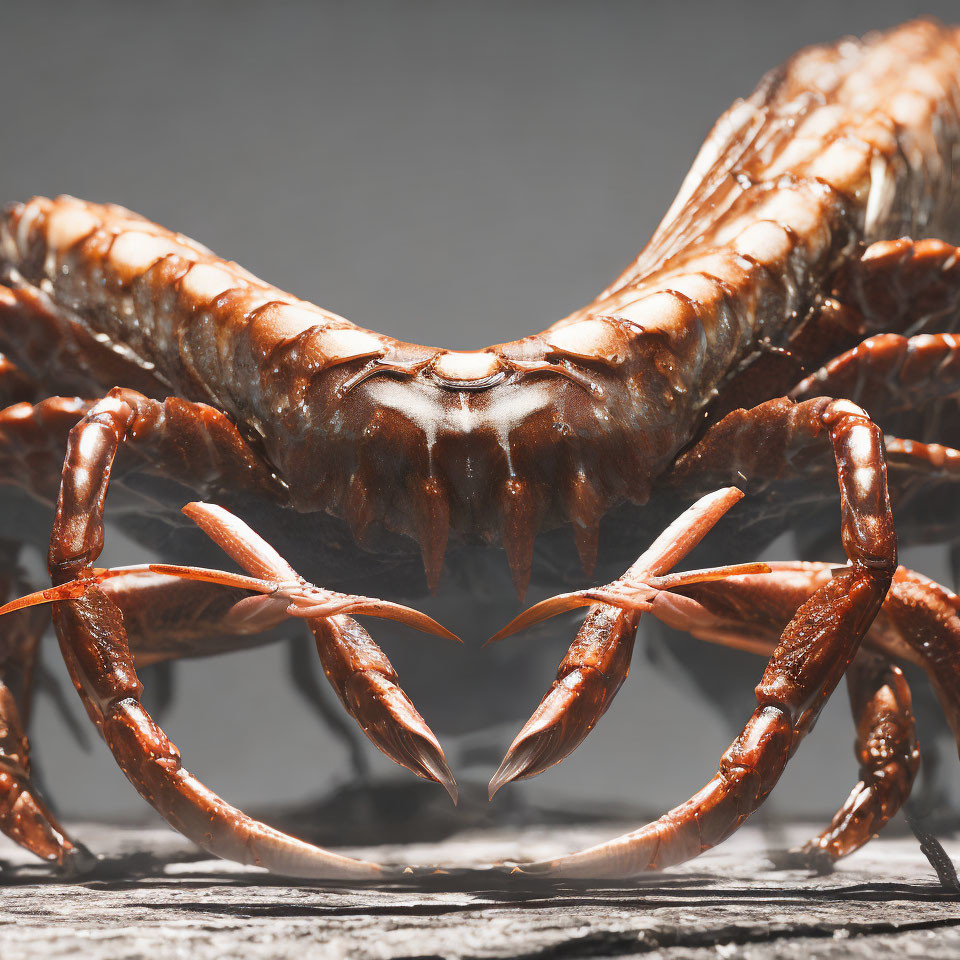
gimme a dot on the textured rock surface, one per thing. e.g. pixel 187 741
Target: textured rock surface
pixel 155 896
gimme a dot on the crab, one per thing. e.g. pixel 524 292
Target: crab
pixel 779 335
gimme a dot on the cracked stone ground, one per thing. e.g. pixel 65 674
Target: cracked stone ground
pixel 156 896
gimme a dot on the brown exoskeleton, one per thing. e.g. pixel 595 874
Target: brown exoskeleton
pixel 773 321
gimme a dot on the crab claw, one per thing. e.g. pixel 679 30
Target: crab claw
pixel 368 688
pixel 598 660
pixel 357 668
pixel 588 678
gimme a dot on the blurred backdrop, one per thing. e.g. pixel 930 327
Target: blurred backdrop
pixel 454 173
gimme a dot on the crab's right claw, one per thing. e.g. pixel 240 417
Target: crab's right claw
pixel 357 668
pixel 588 678
pixel 599 658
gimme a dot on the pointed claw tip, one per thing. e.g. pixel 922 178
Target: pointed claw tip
pixel 543 610
pixel 514 767
pixel 450 785
pixel 441 631
pixel 433 766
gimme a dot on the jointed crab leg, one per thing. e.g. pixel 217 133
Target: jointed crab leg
pixel 811 657
pixel 359 671
pixel 96 650
pixel 888 755
pixel 918 622
pixel 24 817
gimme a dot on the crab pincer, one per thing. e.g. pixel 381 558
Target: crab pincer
pixel 356 667
pixel 598 660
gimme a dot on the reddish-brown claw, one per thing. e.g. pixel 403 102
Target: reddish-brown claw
pixel 598 660
pixel 358 669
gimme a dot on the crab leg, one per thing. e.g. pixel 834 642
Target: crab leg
pixel 96 650
pixel 814 651
pixel 890 373
pixel 812 655
pixel 916 623
pixel 24 817
pixel 359 671
pixel 888 753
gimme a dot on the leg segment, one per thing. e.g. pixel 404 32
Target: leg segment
pixel 358 670
pixel 809 660
pixel 916 623
pixel 96 650
pixel 896 287
pixel 888 754
pixel 598 660
pixel 817 645
pixel 24 817
pixel 911 386
pixel 302 675
pixel 32 441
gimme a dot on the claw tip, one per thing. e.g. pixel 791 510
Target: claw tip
pixel 514 765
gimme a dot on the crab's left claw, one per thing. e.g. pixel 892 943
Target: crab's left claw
pixel 598 660
pixel 358 669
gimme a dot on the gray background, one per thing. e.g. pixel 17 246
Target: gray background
pixel 452 173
